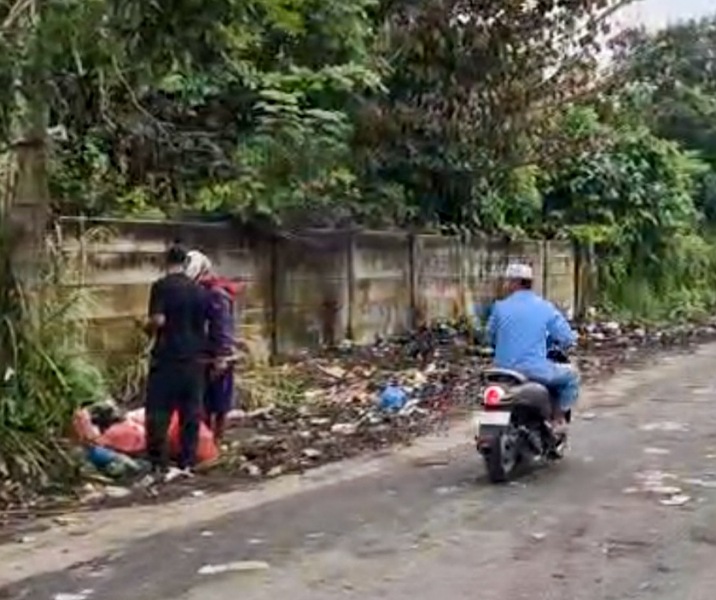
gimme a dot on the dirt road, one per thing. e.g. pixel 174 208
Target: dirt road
pixel 630 514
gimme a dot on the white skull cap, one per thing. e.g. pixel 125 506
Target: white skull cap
pixel 519 271
pixel 197 264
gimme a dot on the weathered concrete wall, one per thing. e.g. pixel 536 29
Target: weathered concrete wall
pixel 439 278
pixel 122 259
pixel 309 289
pixel 560 277
pixel 381 286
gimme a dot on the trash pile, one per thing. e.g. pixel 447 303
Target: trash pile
pixel 114 440
pixel 363 409
pixel 606 346
pixel 357 398
pixel 341 402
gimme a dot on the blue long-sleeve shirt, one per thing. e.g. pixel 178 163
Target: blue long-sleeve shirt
pixel 519 327
pixel 220 315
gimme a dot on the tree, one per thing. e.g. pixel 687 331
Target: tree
pixel 156 104
pixel 677 66
pixel 426 110
pixel 473 91
pixel 632 199
pixel 675 75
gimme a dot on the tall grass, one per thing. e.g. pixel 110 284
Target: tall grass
pixel 681 286
pixel 44 371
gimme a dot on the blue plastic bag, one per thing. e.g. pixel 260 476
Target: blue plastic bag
pixel 393 398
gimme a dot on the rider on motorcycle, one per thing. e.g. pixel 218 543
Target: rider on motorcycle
pixel 519 327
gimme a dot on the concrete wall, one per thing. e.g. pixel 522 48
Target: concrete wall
pixel 308 289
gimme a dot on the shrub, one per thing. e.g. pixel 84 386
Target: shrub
pixel 44 370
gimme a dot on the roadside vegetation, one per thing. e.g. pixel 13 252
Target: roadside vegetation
pixel 46 375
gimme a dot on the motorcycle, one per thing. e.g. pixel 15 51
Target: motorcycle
pixel 512 427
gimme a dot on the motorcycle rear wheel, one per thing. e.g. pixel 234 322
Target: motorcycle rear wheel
pixel 502 457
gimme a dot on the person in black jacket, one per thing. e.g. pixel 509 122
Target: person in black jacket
pixel 178 321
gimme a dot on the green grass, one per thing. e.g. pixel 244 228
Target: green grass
pixel 44 371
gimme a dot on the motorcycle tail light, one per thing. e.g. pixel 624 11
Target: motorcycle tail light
pixel 493 395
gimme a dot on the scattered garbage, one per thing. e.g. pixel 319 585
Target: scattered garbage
pixel 126 436
pixel 339 402
pixel 114 464
pixel 657 451
pixel 654 482
pixel 244 566
pixel 344 428
pixel 112 439
pixel 665 427
pixel 447 490
pixel 703 483
pixel 83 595
pixel 675 500
pixel 393 398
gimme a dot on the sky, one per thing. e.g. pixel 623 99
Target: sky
pixel 656 14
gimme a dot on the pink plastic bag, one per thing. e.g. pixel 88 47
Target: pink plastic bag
pixel 137 416
pixel 128 437
pixel 206 449
pixel 132 435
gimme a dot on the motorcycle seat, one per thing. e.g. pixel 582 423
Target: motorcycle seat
pixel 495 374
pixel 535 395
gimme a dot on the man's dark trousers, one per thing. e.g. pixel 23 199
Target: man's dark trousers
pixel 174 386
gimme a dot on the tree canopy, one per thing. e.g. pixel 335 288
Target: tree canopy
pixel 394 111
pixel 450 114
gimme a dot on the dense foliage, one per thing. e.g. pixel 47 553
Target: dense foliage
pixel 452 114
pixel 378 110
pixel 46 374
pixel 667 88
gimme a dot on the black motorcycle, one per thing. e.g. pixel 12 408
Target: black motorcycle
pixel 512 427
